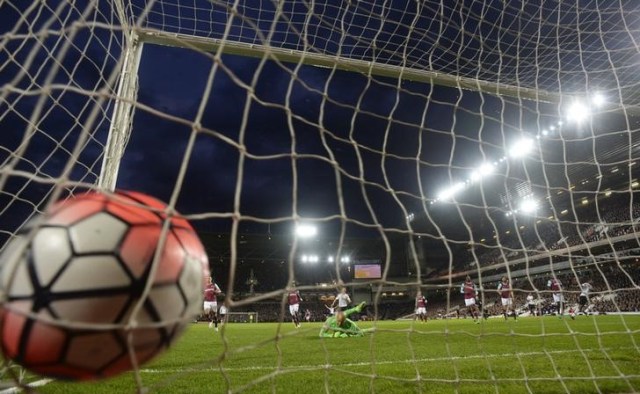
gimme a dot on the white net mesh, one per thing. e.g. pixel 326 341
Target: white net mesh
pixel 391 126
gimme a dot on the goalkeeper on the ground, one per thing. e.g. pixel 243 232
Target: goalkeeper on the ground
pixel 339 326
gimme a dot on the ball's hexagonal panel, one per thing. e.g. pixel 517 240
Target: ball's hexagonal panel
pixel 12 325
pixel 171 261
pixel 142 338
pixel 101 232
pixel 191 285
pixel 101 310
pixel 93 351
pixel 142 318
pixel 191 243
pixel 14 277
pixel 45 344
pixel 139 247
pixel 51 250
pixel 132 211
pixel 70 211
pixel 168 302
pixel 91 273
pixel 194 249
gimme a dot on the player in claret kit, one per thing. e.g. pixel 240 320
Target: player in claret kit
pixel 470 291
pixel 294 306
pixel 506 298
pixel 421 307
pixel 211 292
pixel 558 299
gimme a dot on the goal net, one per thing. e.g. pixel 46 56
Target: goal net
pixel 414 145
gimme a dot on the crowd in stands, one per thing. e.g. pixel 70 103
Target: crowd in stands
pixel 616 219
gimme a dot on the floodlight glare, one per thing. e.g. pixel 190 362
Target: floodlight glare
pixel 306 231
pixel 521 148
pixel 528 206
pixel 448 193
pixel 598 99
pixel 578 112
pixel 486 169
pixel 482 171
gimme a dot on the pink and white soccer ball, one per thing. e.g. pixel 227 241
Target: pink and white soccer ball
pixel 73 305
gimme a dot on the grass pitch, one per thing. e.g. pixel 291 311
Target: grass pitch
pixel 592 354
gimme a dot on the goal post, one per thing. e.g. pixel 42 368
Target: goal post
pixel 241 317
pixel 347 64
pixel 123 110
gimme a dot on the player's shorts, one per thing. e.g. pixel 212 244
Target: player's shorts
pixel 584 300
pixel 469 301
pixel 506 301
pixel 557 297
pixel 293 309
pixel 421 311
pixel 532 307
pixel 210 306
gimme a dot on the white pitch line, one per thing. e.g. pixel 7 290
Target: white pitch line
pixel 37 383
pixel 42 382
pixel 360 364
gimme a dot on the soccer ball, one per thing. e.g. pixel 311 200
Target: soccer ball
pixel 82 296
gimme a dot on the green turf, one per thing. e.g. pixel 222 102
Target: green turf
pixel 539 355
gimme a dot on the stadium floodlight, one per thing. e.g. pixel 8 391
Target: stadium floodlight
pixel 598 99
pixel 483 170
pixel 345 259
pixel 528 205
pixel 521 147
pixel 330 259
pixel 304 258
pixel 578 112
pixel 450 192
pixel 306 231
